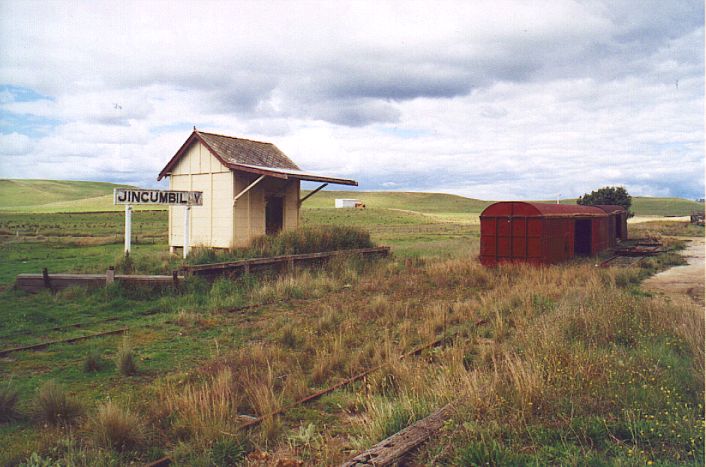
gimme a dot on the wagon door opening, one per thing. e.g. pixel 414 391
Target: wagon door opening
pixel 582 237
pixel 274 214
pixel 618 227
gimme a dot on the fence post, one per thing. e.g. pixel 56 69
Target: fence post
pixel 110 275
pixel 45 276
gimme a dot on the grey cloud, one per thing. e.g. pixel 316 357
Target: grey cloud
pixel 354 113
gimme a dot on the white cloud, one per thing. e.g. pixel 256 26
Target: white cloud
pixel 487 99
pixel 15 144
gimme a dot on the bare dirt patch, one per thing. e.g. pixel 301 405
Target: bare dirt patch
pixel 683 280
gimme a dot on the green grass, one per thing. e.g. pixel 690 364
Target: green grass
pixel 59 196
pixel 628 359
pixel 22 193
pixel 51 196
pixel 412 201
pixel 645 206
pixel 652 206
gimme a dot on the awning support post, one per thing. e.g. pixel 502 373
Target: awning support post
pixel 247 188
pixel 187 211
pixel 312 193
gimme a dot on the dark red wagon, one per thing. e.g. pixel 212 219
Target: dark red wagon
pixel 538 233
pixel 618 220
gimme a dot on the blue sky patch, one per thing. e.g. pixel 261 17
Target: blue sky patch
pixel 10 93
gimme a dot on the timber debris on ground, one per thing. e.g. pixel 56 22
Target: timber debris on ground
pixel 392 450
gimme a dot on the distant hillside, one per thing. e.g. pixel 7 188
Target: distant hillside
pixel 645 206
pixel 57 196
pixel 649 206
pixel 412 201
pixel 69 196
pixel 438 203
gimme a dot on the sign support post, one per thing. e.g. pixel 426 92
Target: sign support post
pixel 187 211
pixel 128 228
pixel 132 196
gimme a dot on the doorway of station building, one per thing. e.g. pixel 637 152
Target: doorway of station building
pixel 582 237
pixel 274 214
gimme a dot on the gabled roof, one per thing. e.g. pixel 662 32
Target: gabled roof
pixel 245 151
pixel 232 151
pixel 249 156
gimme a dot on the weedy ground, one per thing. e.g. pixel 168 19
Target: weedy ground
pixel 568 364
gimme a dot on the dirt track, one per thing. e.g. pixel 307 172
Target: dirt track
pixel 683 280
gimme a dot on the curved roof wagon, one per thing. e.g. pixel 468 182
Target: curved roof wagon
pixel 539 233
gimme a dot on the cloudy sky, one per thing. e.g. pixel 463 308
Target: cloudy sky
pixel 493 100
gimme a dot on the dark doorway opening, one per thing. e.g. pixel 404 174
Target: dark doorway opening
pixel 618 227
pixel 582 237
pixel 274 214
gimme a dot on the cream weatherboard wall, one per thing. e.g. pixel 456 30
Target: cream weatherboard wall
pixel 249 217
pixel 218 223
pixel 210 224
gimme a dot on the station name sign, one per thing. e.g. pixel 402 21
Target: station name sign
pixel 169 197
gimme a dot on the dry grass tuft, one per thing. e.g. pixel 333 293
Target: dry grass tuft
pixel 203 411
pixel 8 402
pixel 117 428
pixel 93 361
pixel 125 359
pixel 189 319
pixel 263 398
pixel 54 406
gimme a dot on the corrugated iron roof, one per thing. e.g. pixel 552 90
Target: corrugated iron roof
pixel 610 208
pixel 548 210
pixel 249 156
pixel 245 151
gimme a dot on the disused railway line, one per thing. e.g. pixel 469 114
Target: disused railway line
pixel 633 253
pixel 165 461
pixel 70 340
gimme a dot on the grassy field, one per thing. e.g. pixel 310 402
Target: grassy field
pixel 52 196
pixel 49 196
pixel 560 365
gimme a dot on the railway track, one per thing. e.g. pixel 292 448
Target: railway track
pixel 622 261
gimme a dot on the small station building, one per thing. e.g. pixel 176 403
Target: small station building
pixel 539 233
pixel 250 188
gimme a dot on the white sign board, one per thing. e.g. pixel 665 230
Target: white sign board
pixel 130 196
pixel 169 197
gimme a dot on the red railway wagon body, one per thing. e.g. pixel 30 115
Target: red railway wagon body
pixel 618 220
pixel 538 233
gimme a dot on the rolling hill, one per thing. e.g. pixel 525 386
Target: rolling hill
pixel 38 196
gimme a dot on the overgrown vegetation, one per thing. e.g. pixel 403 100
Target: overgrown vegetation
pixel 8 402
pixel 567 364
pixel 125 359
pixel 303 240
pixel 117 428
pixel 659 229
pixel 54 406
pixel 93 361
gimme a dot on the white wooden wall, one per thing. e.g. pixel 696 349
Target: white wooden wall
pixel 211 223
pixel 218 223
